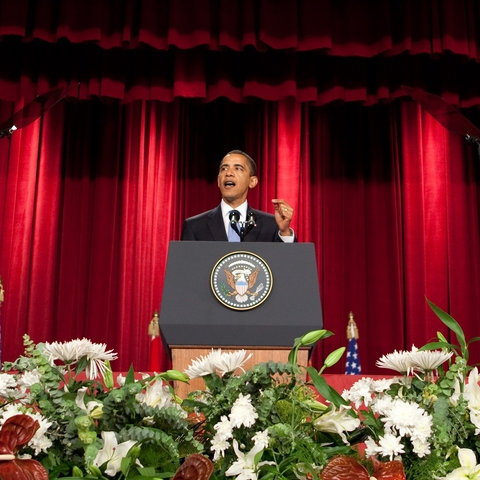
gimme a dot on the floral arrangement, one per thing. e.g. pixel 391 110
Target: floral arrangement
pixel 63 415
pixel 266 422
pixel 262 422
pixel 429 416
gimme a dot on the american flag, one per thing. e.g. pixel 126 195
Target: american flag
pixel 352 365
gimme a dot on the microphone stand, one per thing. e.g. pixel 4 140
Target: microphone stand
pixel 446 114
pixel 34 110
pixel 245 227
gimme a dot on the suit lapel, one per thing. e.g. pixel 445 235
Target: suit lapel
pixel 216 225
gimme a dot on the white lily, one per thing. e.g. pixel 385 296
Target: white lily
pixel 112 453
pixel 80 401
pixel 158 395
pixel 244 467
pixel 472 395
pixel 337 421
pixel 469 468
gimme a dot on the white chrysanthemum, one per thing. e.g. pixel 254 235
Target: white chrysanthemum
pixel 421 447
pixel 30 378
pixel 223 428
pixel 203 366
pixel 67 352
pixel 382 385
pixel 390 445
pixel 371 447
pixel 230 361
pixel 96 357
pixel 360 392
pixel 261 438
pixel 218 446
pixel 72 351
pixel 9 387
pixel 219 441
pixel 243 412
pixel 382 405
pixel 429 360
pixel 407 420
pixel 423 426
pixel 398 361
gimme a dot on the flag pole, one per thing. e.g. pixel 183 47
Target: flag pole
pixel 154 334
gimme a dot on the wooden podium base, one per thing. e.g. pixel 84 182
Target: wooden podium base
pixel 183 356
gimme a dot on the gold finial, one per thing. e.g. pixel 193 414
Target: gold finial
pixel 352 330
pixel 153 328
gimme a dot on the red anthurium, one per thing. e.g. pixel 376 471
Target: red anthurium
pixel 16 432
pixel 348 468
pixel 195 467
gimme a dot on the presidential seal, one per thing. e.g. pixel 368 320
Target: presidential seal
pixel 241 280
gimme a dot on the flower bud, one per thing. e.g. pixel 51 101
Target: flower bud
pixel 87 437
pixel 95 471
pixel 97 413
pixel 313 337
pixel 175 375
pixel 83 422
pixel 76 472
pixel 108 376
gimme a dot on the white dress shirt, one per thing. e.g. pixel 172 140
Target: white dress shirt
pixel 242 209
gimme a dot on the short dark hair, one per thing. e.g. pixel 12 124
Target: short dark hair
pixel 251 162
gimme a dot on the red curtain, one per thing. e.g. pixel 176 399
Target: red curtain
pixel 313 50
pixel 93 193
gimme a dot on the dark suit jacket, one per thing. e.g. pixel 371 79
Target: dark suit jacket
pixel 209 226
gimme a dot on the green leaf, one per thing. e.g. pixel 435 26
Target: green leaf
pixel 436 345
pixel 146 471
pixel 130 376
pixel 473 340
pixel 81 365
pixel 452 324
pixel 325 390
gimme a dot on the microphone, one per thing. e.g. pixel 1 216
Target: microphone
pixel 234 217
pixel 250 223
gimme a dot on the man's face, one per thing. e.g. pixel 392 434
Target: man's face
pixel 234 179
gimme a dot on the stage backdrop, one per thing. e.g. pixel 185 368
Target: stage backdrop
pixel 92 193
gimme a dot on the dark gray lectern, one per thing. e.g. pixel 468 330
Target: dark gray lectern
pixel 192 315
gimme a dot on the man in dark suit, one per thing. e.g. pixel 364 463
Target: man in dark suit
pixel 237 175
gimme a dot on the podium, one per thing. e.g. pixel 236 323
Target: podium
pixel 194 317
